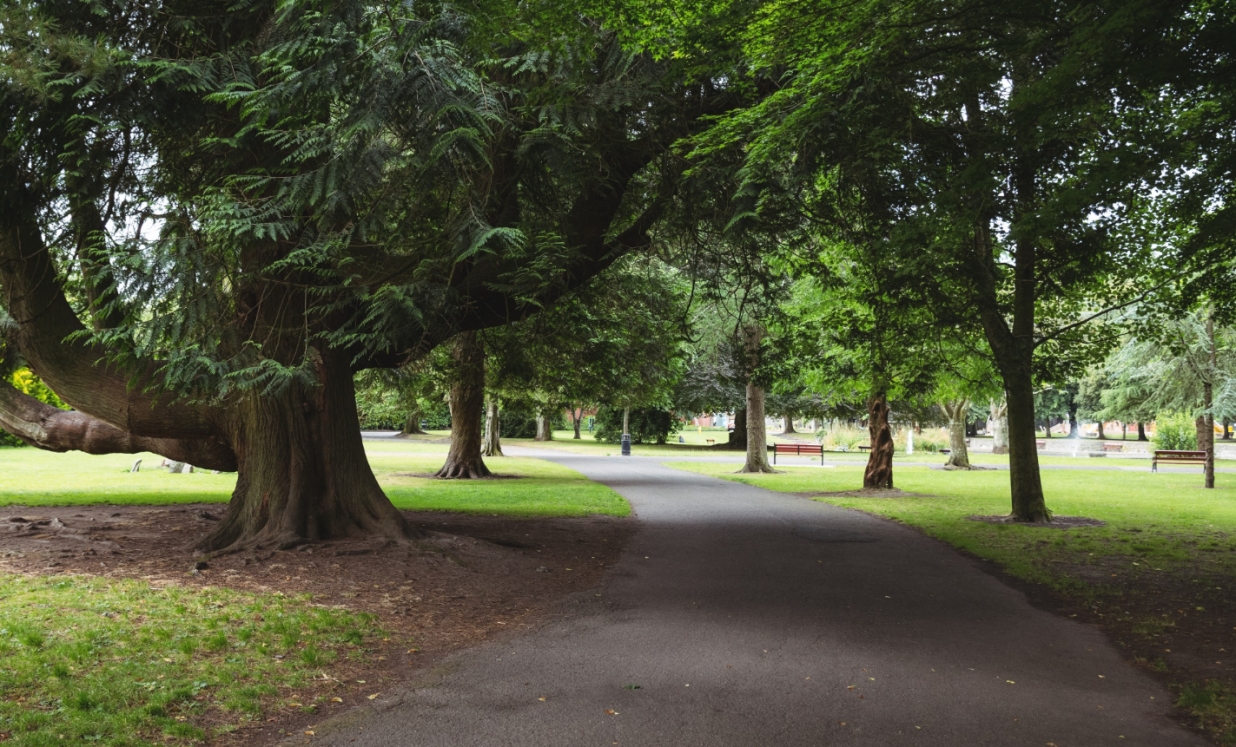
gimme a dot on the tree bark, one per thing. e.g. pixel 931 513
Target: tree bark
pixel 956 412
pixel 412 425
pixel 738 437
pixel 463 460
pixel 999 427
pixel 544 426
pixel 1102 435
pixel 1208 402
pixel 303 475
pixel 492 445
pixel 757 434
pixel 1074 427
pixel 789 424
pixel 1141 432
pixel 53 429
pixel 577 415
pixel 879 472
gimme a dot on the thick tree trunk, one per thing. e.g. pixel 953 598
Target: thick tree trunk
pixel 738 437
pixel 959 455
pixel 412 425
pixel 879 472
pixel 1141 432
pixel 303 475
pixel 544 426
pixel 467 395
pixel 757 434
pixel 999 427
pixel 1102 435
pixel 492 445
pixel 789 424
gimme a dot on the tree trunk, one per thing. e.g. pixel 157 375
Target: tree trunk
pixel 1208 402
pixel 1074 428
pixel 999 427
pixel 1141 432
pixel 956 412
pixel 1029 504
pixel 303 475
pixel 467 396
pixel 1047 428
pixel 789 424
pixel 757 433
pixel 1227 430
pixel 492 444
pixel 879 473
pixel 544 426
pixel 1102 435
pixel 412 426
pixel 738 437
pixel 577 414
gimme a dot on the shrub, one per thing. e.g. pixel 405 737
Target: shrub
pixel 648 425
pixel 1175 431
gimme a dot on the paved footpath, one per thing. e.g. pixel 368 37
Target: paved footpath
pixel 750 618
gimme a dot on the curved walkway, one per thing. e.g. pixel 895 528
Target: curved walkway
pixel 751 618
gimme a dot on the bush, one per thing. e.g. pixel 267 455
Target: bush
pixel 1174 431
pixel 648 425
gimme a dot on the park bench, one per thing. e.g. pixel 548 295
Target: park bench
pixel 1113 447
pixel 1177 457
pixel 864 447
pixel 799 449
pixel 1039 444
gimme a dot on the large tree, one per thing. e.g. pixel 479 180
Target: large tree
pixel 261 200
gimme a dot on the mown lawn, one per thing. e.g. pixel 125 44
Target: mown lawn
pixel 121 662
pixel 535 487
pixel 1159 576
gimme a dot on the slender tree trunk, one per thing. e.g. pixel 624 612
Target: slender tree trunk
pixel 1208 401
pixel 1102 435
pixel 467 397
pixel 303 475
pixel 492 444
pixel 1227 430
pixel 879 472
pixel 757 433
pixel 1047 428
pixel 959 455
pixel 577 415
pixel 789 424
pixel 738 438
pixel 999 427
pixel 412 426
pixel 1141 432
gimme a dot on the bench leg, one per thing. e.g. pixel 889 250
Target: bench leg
pixel 774 455
pixel 1154 465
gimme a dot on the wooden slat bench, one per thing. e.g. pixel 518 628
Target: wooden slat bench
pixel 1177 457
pixel 798 449
pixel 1113 447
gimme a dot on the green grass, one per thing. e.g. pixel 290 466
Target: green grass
pixel 119 662
pixel 1158 520
pixel 40 478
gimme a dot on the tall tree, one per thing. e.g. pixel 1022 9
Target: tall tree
pixel 297 192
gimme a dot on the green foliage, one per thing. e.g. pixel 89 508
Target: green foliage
pixel 648 425
pixel 1174 430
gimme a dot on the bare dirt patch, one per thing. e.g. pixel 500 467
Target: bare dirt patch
pixel 866 493
pixel 473 578
pixel 1057 522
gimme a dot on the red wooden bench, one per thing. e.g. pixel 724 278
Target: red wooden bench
pixel 798 449
pixel 1113 447
pixel 1177 457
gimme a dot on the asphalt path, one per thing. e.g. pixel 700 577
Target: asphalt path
pixel 743 617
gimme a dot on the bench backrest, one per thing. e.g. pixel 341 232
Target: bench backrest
pixel 799 448
pixel 1170 455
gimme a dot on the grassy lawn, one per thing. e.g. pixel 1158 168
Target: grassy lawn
pixel 40 478
pixel 119 662
pixel 1157 577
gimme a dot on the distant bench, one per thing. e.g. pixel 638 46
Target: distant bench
pixel 799 450
pixel 1177 457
